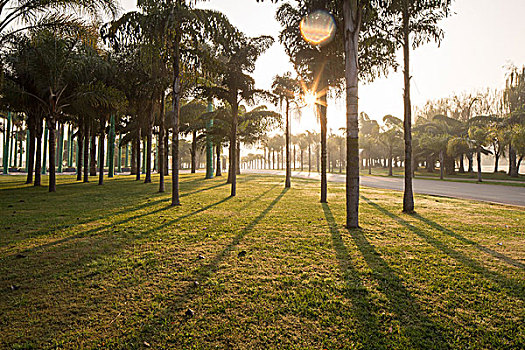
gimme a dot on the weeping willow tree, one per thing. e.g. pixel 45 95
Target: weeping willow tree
pixel 514 99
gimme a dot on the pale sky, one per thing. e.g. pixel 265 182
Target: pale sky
pixel 480 39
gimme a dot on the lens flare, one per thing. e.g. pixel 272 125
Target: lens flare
pixel 310 98
pixel 318 28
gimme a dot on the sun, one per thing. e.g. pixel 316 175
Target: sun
pixel 310 98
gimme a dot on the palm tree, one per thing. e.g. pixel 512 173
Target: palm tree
pixel 417 19
pixel 479 137
pixel 391 137
pixel 47 14
pixel 193 122
pixel 318 67
pixel 368 136
pixel 236 85
pixel 285 88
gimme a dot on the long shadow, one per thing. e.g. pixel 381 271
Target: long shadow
pixel 212 267
pixel 418 328
pixel 91 254
pixel 512 287
pixel 258 197
pixel 203 189
pixel 121 222
pixel 31 275
pixel 355 290
pixel 103 227
pixel 174 307
pixel 484 249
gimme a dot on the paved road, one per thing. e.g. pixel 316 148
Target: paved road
pixel 482 192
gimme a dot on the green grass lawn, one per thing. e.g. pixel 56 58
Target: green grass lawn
pixel 115 267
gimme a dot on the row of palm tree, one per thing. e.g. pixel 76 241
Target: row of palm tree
pixel 61 74
pixel 168 53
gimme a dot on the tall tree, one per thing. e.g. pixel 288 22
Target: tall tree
pixel 285 88
pixel 514 99
pixel 411 24
pixel 236 85
pixel 363 52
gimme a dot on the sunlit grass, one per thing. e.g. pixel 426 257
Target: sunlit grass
pixel 114 266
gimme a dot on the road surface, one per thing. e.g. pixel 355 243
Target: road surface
pixel 501 194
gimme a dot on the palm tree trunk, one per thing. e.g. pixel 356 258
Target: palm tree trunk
pixel 479 163
pixel 87 131
pixel 288 181
pixel 80 151
pixel 166 152
pixel 92 154
pixel 352 26
pixel 461 163
pixel 238 159
pixel 408 197
pixel 233 146
pixel 193 152
pixel 149 144
pixel 31 150
pixel 138 155
pixel 470 162
pixel 218 154
pixel 111 147
pixel 322 110
pixel 175 121
pixel 309 158
pixel 133 165
pixel 51 123
pixel 38 156
pixel 70 146
pixel 230 157
pixel 101 154
pixel 302 163
pixel 60 154
pixel 144 147
pixel 162 163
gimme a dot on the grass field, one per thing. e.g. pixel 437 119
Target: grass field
pixel 115 267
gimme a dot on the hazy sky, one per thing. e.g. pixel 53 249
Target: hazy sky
pixel 480 39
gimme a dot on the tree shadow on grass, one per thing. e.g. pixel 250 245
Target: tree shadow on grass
pixel 173 309
pixel 103 227
pixel 418 329
pixel 369 328
pixel 512 287
pixel 59 244
pixel 69 260
pixel 484 249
